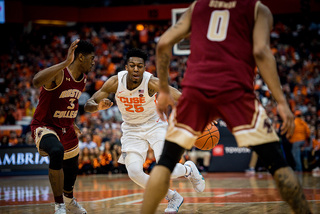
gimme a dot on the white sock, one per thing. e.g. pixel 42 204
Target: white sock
pixel 188 170
pixel 180 170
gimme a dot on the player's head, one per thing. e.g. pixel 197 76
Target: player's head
pixel 85 54
pixel 135 65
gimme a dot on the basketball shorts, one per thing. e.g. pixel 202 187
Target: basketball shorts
pixel 245 117
pixel 137 138
pixel 67 137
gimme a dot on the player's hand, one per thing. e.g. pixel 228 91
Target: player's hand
pixel 287 118
pixel 70 56
pixel 104 104
pixel 76 129
pixel 164 101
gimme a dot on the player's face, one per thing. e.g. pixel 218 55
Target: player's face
pixel 88 62
pixel 135 68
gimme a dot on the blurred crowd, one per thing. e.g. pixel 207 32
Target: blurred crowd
pixel 296 48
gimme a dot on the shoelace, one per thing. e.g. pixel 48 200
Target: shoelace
pixel 74 201
pixel 193 178
pixel 171 203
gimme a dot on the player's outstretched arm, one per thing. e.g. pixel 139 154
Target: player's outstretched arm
pixel 99 100
pixel 267 66
pixel 48 75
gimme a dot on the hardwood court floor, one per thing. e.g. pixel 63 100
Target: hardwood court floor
pixel 232 193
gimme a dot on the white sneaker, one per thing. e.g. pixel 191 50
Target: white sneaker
pixel 250 171
pixel 316 172
pixel 174 203
pixel 195 177
pixel 60 208
pixel 317 169
pixel 73 206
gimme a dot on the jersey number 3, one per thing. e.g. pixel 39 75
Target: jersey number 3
pixel 218 26
pixel 134 108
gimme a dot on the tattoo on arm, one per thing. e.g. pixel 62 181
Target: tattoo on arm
pixel 163 70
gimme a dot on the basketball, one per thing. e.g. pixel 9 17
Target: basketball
pixel 209 138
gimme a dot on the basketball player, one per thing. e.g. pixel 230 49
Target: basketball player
pixel 135 92
pixel 227 39
pixel 53 127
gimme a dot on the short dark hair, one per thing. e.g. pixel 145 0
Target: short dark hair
pixel 135 52
pixel 84 47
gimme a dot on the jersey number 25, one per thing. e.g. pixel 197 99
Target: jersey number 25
pixel 134 108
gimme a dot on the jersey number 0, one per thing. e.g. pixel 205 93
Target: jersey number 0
pixel 218 26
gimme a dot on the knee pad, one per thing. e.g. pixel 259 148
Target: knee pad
pixel 135 171
pixel 51 144
pixel 70 170
pixel 134 164
pixel 171 155
pixel 272 156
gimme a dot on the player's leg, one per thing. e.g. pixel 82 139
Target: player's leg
pixel 249 123
pixel 52 146
pixel 134 164
pixel 70 170
pixel 285 178
pixel 158 186
pixel 180 136
pixel 157 146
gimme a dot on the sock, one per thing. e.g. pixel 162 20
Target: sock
pixel 67 200
pixel 68 194
pixel 58 199
pixel 179 171
pixel 188 170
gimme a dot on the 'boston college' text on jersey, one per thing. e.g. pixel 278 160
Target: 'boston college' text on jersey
pixel 58 107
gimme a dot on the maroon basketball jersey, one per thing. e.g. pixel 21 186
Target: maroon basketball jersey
pixel 58 107
pixel 221 58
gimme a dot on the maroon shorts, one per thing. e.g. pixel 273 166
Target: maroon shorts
pixel 67 137
pixel 196 109
pixel 244 116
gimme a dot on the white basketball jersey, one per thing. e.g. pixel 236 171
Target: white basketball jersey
pixel 136 106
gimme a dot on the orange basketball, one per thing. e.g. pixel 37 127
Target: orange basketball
pixel 209 137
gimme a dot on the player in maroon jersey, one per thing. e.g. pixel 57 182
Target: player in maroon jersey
pixel 53 127
pixel 227 39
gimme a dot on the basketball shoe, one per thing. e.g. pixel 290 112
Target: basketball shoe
pixel 195 177
pixel 60 208
pixel 73 206
pixel 174 202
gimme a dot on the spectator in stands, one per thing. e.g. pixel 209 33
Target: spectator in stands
pixel 300 135
pixel 106 160
pixel 13 139
pixel 85 165
pixel 4 141
pixel 316 154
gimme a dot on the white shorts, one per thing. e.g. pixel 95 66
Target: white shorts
pixel 137 138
